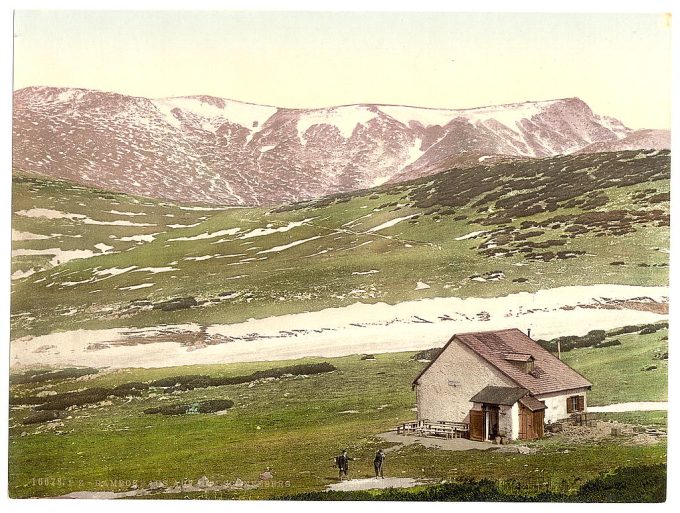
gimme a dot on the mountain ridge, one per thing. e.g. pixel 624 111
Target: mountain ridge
pixel 221 151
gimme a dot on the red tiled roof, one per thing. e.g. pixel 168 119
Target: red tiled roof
pixel 549 375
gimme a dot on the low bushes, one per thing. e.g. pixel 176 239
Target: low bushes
pixel 627 484
pixel 41 376
pixel 591 339
pixel 428 354
pixel 608 343
pixel 66 399
pixel 211 406
pixel 201 381
pixel 172 383
pixel 171 305
pixel 596 338
pixel 87 396
pixel 41 416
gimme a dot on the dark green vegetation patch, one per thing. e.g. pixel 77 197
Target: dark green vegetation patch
pixel 45 375
pixel 211 406
pixel 599 338
pixel 626 484
pixel 93 395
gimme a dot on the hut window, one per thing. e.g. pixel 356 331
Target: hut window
pixel 575 403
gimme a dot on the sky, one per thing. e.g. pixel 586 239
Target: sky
pixel 618 63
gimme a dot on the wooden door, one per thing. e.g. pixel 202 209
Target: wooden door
pixel 477 425
pixel 538 422
pixel 523 422
pixel 530 423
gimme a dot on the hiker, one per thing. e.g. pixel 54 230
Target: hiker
pixel 378 463
pixel 342 462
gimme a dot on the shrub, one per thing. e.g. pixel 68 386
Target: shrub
pixel 132 388
pixel 41 376
pixel 171 381
pixel 214 405
pixel 19 401
pixel 40 417
pixel 192 381
pixel 210 406
pixel 427 354
pixel 174 409
pixel 171 305
pixel 66 399
pixel 649 329
pixel 626 329
pixel 592 339
pixel 608 343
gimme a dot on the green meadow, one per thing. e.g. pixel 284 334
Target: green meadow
pixel 296 425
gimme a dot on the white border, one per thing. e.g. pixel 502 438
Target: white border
pixel 580 6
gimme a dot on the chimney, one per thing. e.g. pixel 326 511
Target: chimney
pixel 559 350
pixel 529 332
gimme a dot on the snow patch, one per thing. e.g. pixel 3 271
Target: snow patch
pixel 60 256
pixel 139 238
pixel 49 213
pixel 414 152
pixel 203 236
pixel 357 329
pixel 132 214
pixel 104 248
pixel 345 119
pixel 259 232
pixel 18 274
pixel 19 236
pixel 245 114
pixel 114 271
pixel 183 225
pixel 470 235
pixel 135 287
pixel 203 209
pixel 276 249
pixel 390 223
pixel 155 270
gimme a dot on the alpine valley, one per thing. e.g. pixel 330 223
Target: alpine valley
pixel 210 298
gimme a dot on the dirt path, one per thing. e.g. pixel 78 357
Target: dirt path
pixel 373 484
pixel 625 407
pixel 454 444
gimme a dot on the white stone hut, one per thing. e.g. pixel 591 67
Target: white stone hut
pixel 501 383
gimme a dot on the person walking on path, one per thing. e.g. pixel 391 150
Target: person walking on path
pixel 342 463
pixel 378 463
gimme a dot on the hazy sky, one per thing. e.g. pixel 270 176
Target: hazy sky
pixel 619 63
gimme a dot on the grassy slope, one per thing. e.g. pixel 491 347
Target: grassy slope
pixel 617 372
pixel 508 202
pixel 301 428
